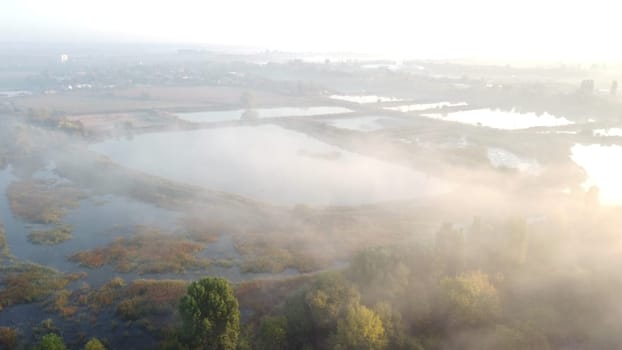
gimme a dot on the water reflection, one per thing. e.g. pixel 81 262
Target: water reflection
pixel 603 165
pixel 500 158
pixel 366 124
pixel 426 106
pixel 501 119
pixel 362 99
pixel 269 163
pixel 97 221
pixel 279 112
pixel 608 132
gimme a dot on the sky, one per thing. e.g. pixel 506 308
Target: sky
pixel 526 29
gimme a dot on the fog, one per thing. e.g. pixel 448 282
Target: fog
pixel 442 29
pixel 338 175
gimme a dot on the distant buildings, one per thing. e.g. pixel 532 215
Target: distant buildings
pixel 587 86
pixel 64 58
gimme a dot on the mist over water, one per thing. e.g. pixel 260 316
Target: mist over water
pixel 603 169
pixel 501 120
pixel 318 175
pixel 240 114
pixel 271 164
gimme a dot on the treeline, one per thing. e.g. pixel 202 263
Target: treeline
pixel 549 284
pixel 483 287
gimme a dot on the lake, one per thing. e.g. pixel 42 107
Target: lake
pixel 365 124
pixel 425 106
pixel 279 112
pixel 501 158
pixel 608 132
pixel 363 99
pixel 270 163
pixel 603 165
pixel 97 221
pixel 14 93
pixel 497 119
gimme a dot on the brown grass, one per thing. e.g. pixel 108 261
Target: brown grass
pixel 53 236
pixel 4 247
pixel 8 338
pixel 42 201
pixel 25 282
pixel 148 251
pixel 148 298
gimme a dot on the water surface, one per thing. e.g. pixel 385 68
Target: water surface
pixel 603 165
pixel 425 106
pixel 365 124
pixel 14 93
pixel 500 158
pixel 271 164
pixel 240 114
pixel 363 99
pixel 501 119
pixel 97 221
pixel 608 132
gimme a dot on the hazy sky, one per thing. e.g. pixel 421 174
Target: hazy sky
pixel 551 29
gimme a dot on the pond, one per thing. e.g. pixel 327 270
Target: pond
pixel 500 158
pixel 366 124
pixel 363 99
pixel 608 132
pixel 603 165
pixel 97 221
pixel 270 163
pixel 425 106
pixel 239 114
pixel 497 119
pixel 14 93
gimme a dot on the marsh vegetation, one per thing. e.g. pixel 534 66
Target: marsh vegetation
pixel 331 205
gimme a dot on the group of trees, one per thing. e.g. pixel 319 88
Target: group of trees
pixel 53 341
pixel 468 291
pixel 483 287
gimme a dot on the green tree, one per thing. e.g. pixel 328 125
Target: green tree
pixel 395 328
pixel 210 314
pixel 300 327
pixel 328 300
pixel 361 329
pixel 381 273
pixel 272 334
pixel 94 344
pixel 51 341
pixel 518 339
pixel 518 240
pixel 449 249
pixel 470 299
pixel 314 312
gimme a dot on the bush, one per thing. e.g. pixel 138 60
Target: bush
pixel 51 341
pixel 8 338
pixel 94 344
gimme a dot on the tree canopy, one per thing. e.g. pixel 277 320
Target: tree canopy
pixel 361 329
pixel 51 341
pixel 210 314
pixel 94 344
